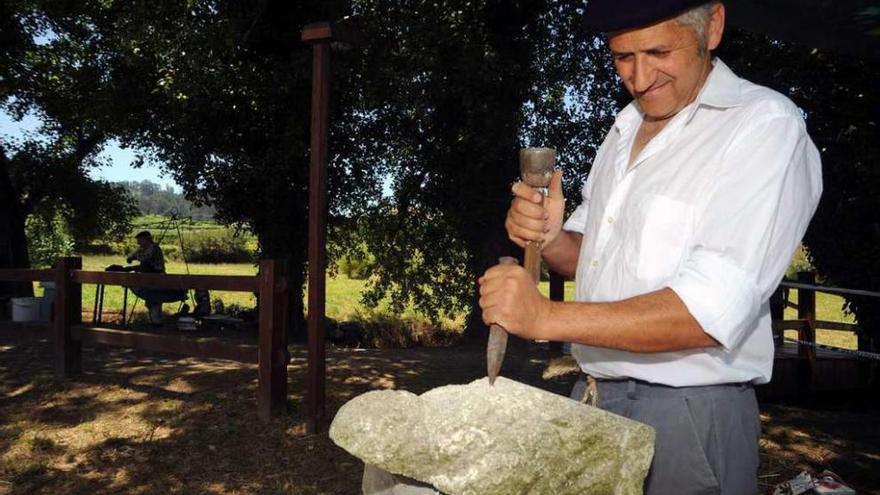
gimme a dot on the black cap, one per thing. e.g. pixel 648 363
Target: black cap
pixel 617 15
pixel 144 233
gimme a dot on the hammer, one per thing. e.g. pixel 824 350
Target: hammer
pixel 536 169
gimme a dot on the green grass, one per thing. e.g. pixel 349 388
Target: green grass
pixel 343 297
pixel 829 307
pixel 343 294
pixel 157 222
pixel 113 295
pixel 544 288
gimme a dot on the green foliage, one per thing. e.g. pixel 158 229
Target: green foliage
pixel 843 242
pixel 99 210
pixel 357 266
pixel 437 98
pixel 218 93
pixel 153 199
pixel 382 329
pixel 52 72
pixel 218 246
pixel 48 238
pixel 207 244
pixel 451 91
pixel 800 262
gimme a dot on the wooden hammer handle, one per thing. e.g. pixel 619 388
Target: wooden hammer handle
pixel 532 259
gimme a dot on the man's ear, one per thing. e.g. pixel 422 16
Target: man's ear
pixel 716 26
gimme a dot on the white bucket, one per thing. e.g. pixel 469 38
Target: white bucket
pixel 25 309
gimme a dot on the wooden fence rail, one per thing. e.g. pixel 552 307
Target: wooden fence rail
pixel 270 352
pixel 807 321
pixel 803 366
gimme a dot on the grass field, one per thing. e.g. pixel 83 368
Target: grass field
pixel 344 294
pixel 828 308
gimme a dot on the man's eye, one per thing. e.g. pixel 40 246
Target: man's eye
pixel 659 53
pixel 623 56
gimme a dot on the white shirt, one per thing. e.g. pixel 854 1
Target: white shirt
pixel 713 208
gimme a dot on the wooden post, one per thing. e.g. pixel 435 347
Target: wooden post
pixel 807 312
pixel 777 314
pixel 557 293
pixel 272 387
pixel 124 303
pixel 319 35
pixel 807 331
pixel 95 306
pixel 868 370
pixel 280 353
pixel 68 312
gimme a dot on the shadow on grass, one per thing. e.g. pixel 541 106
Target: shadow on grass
pixel 797 438
pixel 138 422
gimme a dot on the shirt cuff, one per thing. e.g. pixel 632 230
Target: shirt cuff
pixel 719 295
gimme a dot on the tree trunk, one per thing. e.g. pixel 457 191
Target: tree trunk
pixel 13 240
pixel 493 246
pixel 298 331
pixel 288 241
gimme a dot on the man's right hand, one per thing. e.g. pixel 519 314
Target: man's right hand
pixel 528 221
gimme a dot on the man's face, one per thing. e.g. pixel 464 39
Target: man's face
pixel 144 242
pixel 663 65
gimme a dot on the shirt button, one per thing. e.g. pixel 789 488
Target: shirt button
pixel 610 219
pixel 594 263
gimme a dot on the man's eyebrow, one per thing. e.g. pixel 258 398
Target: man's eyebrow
pixel 659 48
pixel 653 49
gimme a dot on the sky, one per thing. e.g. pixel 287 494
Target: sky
pixel 119 158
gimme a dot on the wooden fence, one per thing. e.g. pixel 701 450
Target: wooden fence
pixel 799 368
pixel 808 367
pixel 270 353
pixel 807 321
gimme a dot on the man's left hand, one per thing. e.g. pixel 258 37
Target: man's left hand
pixel 508 297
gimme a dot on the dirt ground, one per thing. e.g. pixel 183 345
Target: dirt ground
pixel 138 423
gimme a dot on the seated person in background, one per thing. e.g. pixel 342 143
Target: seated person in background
pixel 151 259
pixel 149 254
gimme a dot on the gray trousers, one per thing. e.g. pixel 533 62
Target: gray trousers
pixel 707 437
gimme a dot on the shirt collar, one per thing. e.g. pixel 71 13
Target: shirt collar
pixel 721 90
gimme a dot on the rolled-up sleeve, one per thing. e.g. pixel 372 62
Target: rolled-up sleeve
pixel 749 225
pixel 577 222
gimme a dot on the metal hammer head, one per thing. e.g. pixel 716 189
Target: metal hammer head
pixel 536 166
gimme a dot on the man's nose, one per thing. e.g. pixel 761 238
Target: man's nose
pixel 643 74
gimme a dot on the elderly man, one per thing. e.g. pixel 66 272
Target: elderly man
pixel 695 203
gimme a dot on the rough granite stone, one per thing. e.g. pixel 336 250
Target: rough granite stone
pixel 507 439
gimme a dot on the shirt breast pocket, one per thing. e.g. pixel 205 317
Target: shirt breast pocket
pixel 663 238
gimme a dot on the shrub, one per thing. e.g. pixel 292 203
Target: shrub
pixel 47 238
pixel 385 330
pixel 216 246
pixel 356 267
pixel 800 262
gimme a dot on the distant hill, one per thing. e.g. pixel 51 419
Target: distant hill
pixel 154 199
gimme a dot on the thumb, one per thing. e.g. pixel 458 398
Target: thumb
pixel 555 190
